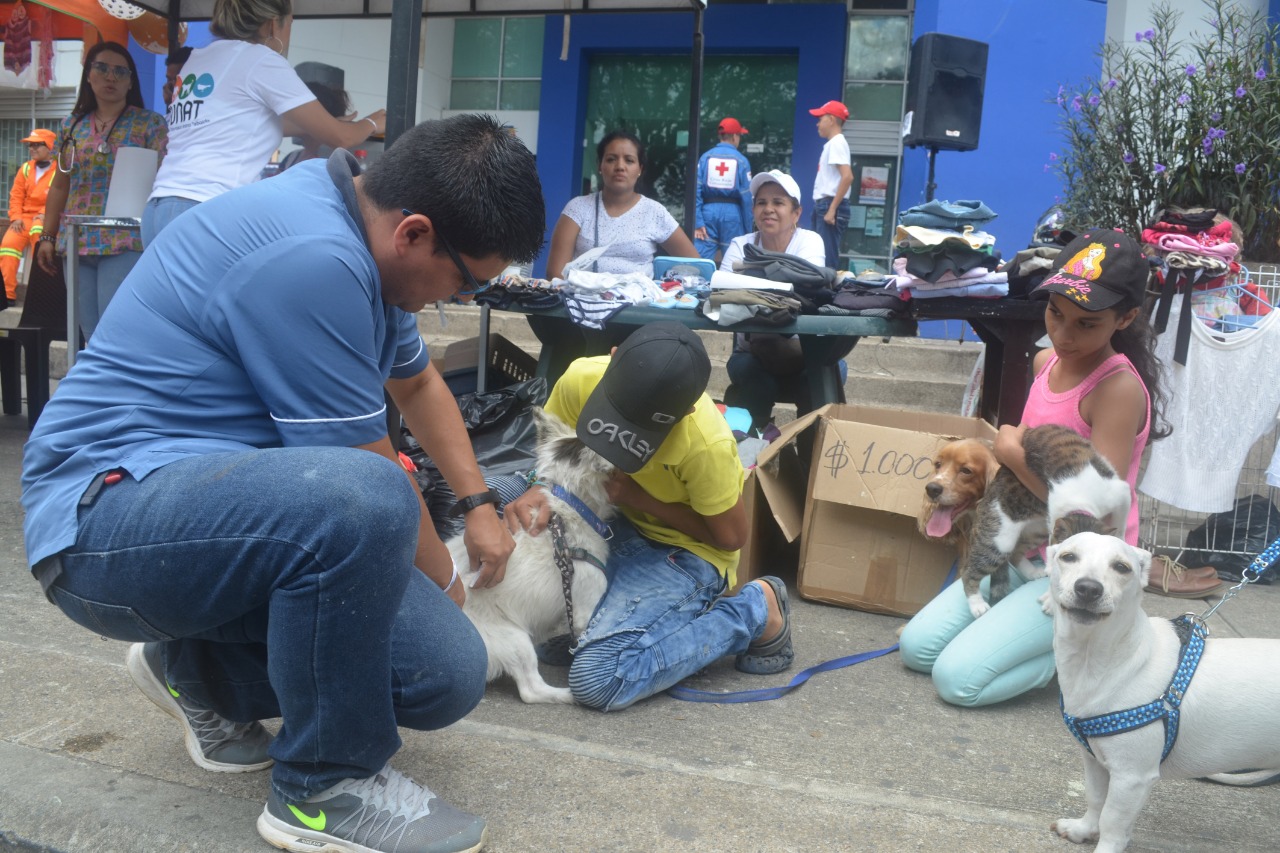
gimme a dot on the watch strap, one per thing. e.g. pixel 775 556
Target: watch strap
pixel 470 502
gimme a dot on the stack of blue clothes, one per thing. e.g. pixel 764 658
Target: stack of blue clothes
pixel 941 250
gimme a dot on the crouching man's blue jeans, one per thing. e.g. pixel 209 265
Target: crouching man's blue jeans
pixel 661 620
pixel 282 585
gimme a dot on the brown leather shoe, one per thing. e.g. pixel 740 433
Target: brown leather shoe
pixel 1171 578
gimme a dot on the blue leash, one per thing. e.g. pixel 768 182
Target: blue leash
pixel 688 694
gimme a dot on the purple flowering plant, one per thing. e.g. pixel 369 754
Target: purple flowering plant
pixel 1178 120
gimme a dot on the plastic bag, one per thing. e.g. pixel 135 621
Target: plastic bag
pixel 503 437
pixel 1247 529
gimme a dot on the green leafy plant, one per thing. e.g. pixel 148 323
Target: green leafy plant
pixel 1192 123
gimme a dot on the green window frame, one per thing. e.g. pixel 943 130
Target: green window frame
pixel 497 64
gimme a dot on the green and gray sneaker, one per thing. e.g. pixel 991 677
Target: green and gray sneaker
pixel 385 813
pixel 213 742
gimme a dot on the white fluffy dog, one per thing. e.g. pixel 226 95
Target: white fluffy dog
pixel 1112 657
pixel 528 606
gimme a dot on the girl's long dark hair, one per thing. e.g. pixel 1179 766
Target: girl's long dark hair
pixel 1137 342
pixel 86 101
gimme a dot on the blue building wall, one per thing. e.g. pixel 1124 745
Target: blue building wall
pixel 815 33
pixel 1033 47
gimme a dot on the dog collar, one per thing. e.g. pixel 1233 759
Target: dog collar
pixel 583 510
pixel 1192 633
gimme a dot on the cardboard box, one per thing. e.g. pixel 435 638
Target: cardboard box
pixel 852 502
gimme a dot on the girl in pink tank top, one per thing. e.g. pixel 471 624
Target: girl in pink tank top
pixel 1101 377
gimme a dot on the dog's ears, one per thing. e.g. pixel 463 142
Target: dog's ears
pixel 548 426
pixel 1050 554
pixel 1144 563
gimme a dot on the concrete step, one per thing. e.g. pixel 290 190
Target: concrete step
pixel 906 373
pixel 900 373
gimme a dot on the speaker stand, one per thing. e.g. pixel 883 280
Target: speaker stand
pixel 931 153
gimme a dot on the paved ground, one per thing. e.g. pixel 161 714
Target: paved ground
pixel 862 759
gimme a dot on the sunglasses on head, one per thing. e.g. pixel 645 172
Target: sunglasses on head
pixel 114 72
pixel 470 286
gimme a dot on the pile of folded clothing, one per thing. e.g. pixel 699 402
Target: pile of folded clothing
pixel 868 294
pixel 1198 242
pixel 940 250
pixel 1198 249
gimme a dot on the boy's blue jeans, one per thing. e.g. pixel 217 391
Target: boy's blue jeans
pixel 282 584
pixel 661 620
pixel 831 234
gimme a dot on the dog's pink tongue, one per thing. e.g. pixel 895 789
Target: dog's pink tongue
pixel 939 523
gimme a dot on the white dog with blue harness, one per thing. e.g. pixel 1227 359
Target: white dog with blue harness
pixel 1149 699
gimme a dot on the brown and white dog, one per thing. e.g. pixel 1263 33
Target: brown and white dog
pixel 962 471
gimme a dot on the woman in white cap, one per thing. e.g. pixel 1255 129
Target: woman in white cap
pixel 763 367
pixel 237 98
pixel 775 204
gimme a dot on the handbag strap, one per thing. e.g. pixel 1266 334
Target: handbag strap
pixel 595 244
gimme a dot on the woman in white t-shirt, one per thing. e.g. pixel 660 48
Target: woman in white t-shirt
pixel 237 98
pixel 633 226
pixel 765 368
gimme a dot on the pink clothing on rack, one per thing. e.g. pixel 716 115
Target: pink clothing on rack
pixel 1215 242
pixel 1047 407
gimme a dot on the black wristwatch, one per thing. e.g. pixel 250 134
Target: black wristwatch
pixel 48 238
pixel 470 502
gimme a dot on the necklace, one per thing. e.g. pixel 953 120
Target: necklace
pixel 104 146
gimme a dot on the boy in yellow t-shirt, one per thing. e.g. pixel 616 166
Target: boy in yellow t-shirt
pixel 674 551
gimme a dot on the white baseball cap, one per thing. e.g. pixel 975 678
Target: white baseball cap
pixel 782 179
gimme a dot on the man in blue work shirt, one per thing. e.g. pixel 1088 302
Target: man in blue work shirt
pixel 214 481
pixel 723 207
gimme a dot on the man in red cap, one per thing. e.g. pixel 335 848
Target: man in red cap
pixel 831 188
pixel 26 206
pixel 722 209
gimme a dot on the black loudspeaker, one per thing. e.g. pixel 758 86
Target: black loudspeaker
pixel 944 93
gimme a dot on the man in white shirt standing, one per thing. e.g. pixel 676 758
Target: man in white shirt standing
pixel 835 179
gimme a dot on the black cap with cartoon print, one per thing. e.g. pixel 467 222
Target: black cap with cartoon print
pixel 1098 270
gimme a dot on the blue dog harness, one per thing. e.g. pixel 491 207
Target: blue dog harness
pixel 1192 633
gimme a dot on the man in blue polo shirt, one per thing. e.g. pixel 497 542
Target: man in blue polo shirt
pixel 214 482
pixel 722 203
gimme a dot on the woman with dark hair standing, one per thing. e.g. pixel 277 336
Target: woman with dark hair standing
pixel 618 216
pixel 237 99
pixel 108 115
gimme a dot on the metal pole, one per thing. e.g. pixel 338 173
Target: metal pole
pixel 402 110
pixel 402 68
pixel 695 118
pixel 175 22
pixel 931 184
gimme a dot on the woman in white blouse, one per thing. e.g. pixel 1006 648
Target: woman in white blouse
pixel 775 204
pixel 633 226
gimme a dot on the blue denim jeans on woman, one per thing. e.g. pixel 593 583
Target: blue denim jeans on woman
pixel 98 277
pixel 662 619
pixel 282 584
pixel 159 212
pixel 831 234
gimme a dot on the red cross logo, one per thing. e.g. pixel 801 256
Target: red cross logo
pixel 722 167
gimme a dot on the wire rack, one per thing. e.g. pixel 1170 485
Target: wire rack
pixel 1165 528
